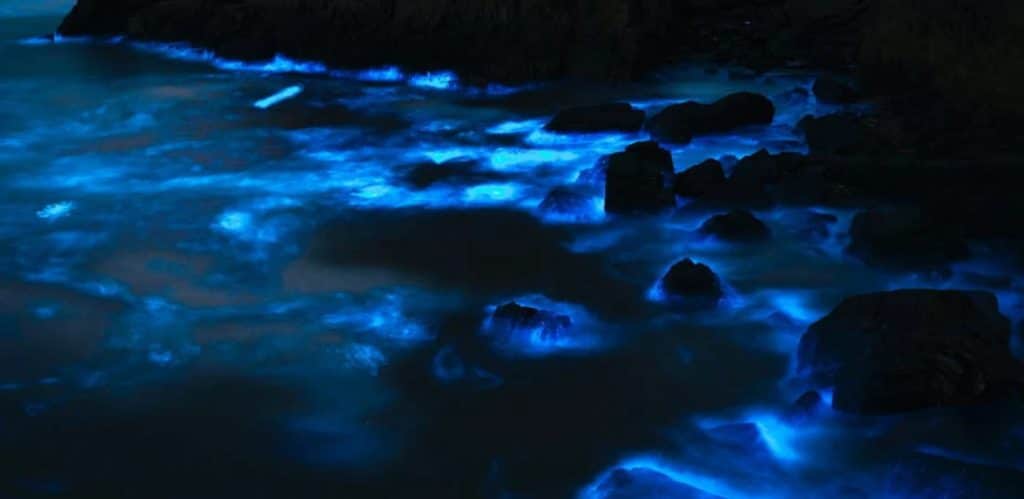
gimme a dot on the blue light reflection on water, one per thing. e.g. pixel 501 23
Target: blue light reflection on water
pixel 257 209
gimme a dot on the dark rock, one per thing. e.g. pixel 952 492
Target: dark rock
pixel 906 238
pixel 833 91
pixel 736 226
pixel 694 284
pixel 700 180
pixel 763 167
pixel 515 318
pixel 568 202
pixel 638 180
pixel 912 349
pixel 805 408
pixel 754 175
pixel 456 171
pixel 680 123
pixel 620 116
pixel 840 134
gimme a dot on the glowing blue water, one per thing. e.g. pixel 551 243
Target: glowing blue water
pixel 161 208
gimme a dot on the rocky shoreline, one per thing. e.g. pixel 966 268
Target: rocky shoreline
pixel 935 167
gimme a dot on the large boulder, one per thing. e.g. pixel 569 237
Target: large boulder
pixel 912 349
pixel 680 123
pixel 736 226
pixel 694 285
pixel 614 117
pixel 638 180
pixel 700 180
pixel 906 238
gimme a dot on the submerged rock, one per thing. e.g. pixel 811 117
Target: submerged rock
pixel 906 238
pixel 515 318
pixel 638 180
pixel 680 123
pixel 700 180
pixel 564 201
pixel 693 284
pixel 616 117
pixel 912 349
pixel 736 226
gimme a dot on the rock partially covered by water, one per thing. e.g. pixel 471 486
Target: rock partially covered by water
pixel 693 284
pixel 565 201
pixel 906 238
pixel 700 180
pixel 736 226
pixel 638 180
pixel 680 123
pixel 912 349
pixel 515 318
pixel 614 117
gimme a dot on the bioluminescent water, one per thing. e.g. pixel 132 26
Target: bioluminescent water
pixel 277 280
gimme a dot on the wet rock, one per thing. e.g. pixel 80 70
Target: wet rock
pixel 805 408
pixel 456 171
pixel 834 91
pixel 912 349
pixel 638 180
pixel 680 123
pixel 907 238
pixel 754 176
pixel 513 317
pixel 693 284
pixel 616 117
pixel 565 201
pixel 736 226
pixel 700 180
pixel 763 167
pixel 840 134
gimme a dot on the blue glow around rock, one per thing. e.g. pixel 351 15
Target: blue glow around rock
pixel 562 328
pixel 713 486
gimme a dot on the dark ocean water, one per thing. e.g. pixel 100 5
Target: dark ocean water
pixel 226 280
